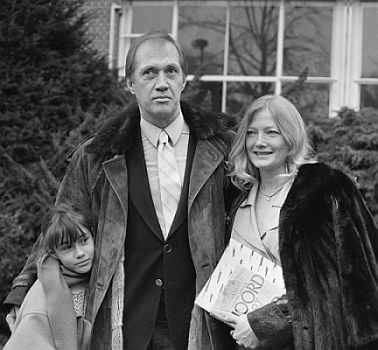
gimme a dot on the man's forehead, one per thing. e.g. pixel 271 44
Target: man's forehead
pixel 157 50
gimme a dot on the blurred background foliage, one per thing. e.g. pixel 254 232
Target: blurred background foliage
pixel 55 91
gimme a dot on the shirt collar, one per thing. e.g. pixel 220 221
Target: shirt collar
pixel 174 130
pixel 250 199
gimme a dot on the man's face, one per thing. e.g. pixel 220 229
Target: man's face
pixel 157 81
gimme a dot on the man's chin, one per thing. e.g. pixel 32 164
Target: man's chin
pixel 162 110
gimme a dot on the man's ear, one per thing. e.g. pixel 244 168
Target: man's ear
pixel 129 84
pixel 183 85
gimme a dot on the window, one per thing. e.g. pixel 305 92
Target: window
pixel 322 54
pixel 369 65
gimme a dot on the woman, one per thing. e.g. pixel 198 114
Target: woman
pixel 311 220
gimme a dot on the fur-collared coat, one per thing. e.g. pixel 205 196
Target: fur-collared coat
pixel 96 182
pixel 329 253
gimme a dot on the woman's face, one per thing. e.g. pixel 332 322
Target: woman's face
pixel 266 147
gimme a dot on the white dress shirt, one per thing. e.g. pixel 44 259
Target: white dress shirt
pixel 178 132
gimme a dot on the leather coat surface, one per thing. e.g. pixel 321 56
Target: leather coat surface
pixel 96 183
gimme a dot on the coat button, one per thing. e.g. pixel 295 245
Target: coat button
pixel 167 248
pixel 159 282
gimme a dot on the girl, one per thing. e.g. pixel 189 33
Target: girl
pixel 52 313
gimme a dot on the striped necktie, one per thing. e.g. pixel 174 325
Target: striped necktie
pixel 170 183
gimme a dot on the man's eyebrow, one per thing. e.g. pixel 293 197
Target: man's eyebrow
pixel 148 67
pixel 174 65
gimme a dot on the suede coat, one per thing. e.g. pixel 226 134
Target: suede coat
pixel 96 182
pixel 329 253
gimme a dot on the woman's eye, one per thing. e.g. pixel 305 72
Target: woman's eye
pixel 273 132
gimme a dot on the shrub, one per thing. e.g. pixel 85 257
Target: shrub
pixel 350 143
pixel 54 91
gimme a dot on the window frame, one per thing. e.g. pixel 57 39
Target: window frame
pixel 345 79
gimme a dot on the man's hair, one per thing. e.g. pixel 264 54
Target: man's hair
pixel 153 36
pixel 61 224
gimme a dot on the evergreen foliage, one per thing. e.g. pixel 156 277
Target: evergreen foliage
pixel 54 91
pixel 350 142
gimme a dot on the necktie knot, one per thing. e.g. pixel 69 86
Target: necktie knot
pixel 163 137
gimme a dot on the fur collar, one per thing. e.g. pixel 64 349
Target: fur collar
pixel 118 134
pixel 308 183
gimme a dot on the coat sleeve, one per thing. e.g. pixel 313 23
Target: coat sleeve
pixel 357 253
pixel 272 325
pixel 32 328
pixel 73 189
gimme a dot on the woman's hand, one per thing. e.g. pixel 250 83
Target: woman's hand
pixel 242 332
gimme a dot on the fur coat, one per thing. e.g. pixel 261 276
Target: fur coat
pixel 329 253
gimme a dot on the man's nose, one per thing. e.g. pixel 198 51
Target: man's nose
pixel 161 81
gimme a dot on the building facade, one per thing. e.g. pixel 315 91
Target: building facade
pixel 324 52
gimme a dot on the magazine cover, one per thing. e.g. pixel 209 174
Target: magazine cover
pixel 243 281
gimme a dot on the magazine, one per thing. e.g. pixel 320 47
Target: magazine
pixel 243 281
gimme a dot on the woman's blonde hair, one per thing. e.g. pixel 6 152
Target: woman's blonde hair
pixel 290 124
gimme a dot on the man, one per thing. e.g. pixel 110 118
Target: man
pixel 151 181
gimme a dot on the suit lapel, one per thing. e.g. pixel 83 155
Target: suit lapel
pixel 139 188
pixel 206 159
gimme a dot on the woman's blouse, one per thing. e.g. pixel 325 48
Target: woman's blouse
pixel 245 228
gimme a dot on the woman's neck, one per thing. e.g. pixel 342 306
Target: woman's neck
pixel 271 181
pixel 271 184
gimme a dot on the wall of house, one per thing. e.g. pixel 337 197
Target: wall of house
pixel 99 26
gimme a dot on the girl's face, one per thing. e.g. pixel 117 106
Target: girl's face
pixel 77 256
pixel 266 147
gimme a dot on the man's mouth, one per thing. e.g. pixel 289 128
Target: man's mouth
pixel 162 98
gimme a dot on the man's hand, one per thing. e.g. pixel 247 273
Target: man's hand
pixel 242 332
pixel 11 317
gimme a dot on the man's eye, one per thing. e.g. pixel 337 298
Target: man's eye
pixel 148 73
pixel 171 72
